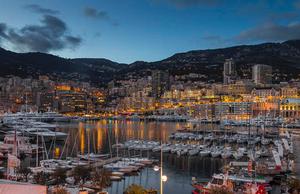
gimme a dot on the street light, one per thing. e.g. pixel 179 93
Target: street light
pixel 164 178
pixel 156 168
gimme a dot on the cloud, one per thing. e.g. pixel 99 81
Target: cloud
pixel 51 35
pixel 191 3
pixel 3 28
pixel 96 14
pixel 270 32
pixel 38 9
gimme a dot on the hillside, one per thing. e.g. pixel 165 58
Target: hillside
pixel 283 57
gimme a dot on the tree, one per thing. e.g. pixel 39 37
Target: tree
pixel 41 178
pixel 60 175
pixel 24 172
pixel 220 190
pixel 81 174
pixel 101 179
pixel 135 189
pixel 60 190
pixel 294 185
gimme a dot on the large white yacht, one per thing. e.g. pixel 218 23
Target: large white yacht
pixel 36 116
pixel 44 133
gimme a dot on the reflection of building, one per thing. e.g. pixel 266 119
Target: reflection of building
pixel 262 74
pixel 160 83
pixel 229 72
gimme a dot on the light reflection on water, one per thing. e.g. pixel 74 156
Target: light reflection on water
pixel 179 170
pixel 99 133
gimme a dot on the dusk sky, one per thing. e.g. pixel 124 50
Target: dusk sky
pixel 150 30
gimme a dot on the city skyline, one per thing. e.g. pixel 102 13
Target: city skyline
pixel 147 30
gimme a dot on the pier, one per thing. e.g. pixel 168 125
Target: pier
pixel 100 164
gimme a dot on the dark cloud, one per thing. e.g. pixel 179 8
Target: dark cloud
pixel 73 40
pixel 190 3
pixel 96 14
pixel 3 28
pixel 50 35
pixel 38 9
pixel 270 32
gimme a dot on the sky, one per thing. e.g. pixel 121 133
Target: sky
pixel 149 30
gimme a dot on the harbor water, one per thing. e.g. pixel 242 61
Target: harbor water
pixel 97 136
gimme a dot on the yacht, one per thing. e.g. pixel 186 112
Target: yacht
pixel 36 116
pixel 234 184
pixel 205 152
pixel 193 152
pixel 46 134
pixel 22 144
pixel 239 153
pixel 216 152
pixel 227 153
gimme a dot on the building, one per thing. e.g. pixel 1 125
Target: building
pixel 229 71
pixel 262 74
pixel 234 110
pixel 288 92
pixel 290 108
pixel 160 83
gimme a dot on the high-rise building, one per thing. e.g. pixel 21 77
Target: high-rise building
pixel 160 83
pixel 229 71
pixel 262 74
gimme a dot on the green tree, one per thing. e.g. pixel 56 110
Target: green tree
pixel 81 174
pixel 221 190
pixel 293 185
pixel 60 190
pixel 24 172
pixel 101 178
pixel 41 178
pixel 135 189
pixel 60 176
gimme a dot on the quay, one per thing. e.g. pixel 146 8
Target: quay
pixel 100 164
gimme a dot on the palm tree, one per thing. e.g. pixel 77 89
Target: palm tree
pixel 101 179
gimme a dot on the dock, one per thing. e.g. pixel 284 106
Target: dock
pixel 100 164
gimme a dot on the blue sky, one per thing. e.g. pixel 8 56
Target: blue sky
pixel 150 30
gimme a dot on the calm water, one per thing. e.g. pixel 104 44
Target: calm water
pixel 97 136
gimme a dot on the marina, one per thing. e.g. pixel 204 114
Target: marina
pixel 130 151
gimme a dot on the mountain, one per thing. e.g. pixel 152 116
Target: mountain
pixel 33 64
pixel 283 57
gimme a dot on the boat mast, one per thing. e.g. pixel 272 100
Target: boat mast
pixel 88 133
pixel 37 147
pixel 15 151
